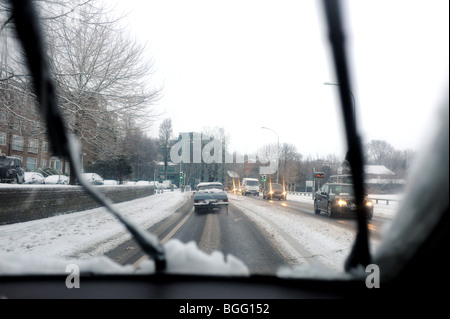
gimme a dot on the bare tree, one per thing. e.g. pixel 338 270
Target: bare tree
pixel 378 151
pixel 100 72
pixel 165 142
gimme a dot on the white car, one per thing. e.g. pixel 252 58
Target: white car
pixel 57 179
pixel 34 178
pixel 110 182
pixel 93 178
pixel 250 186
pixel 142 183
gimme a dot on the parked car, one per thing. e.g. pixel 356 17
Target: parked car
pixel 57 179
pixel 274 191
pixel 210 196
pixel 34 178
pixel 11 170
pixel 110 182
pixel 142 183
pixel 167 184
pixel 338 199
pixel 250 186
pixel 93 178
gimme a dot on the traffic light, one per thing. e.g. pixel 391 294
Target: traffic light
pixel 181 176
pixel 263 178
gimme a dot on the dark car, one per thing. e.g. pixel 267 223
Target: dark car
pixel 11 170
pixel 210 196
pixel 338 199
pixel 274 191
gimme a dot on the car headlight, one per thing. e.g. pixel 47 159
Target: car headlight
pixel 271 192
pixel 342 202
pixel 369 204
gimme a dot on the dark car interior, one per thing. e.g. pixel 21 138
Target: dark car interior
pixel 412 261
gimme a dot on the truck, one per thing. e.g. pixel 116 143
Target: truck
pixel 250 186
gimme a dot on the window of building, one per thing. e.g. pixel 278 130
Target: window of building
pixel 2 138
pixel 34 127
pixel 17 144
pixel 33 146
pixel 57 165
pixel 43 163
pixel 31 164
pixel 45 147
pixel 17 125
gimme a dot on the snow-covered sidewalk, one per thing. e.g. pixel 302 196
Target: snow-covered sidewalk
pixel 92 232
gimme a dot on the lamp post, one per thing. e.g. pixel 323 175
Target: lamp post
pixel 353 97
pixel 278 148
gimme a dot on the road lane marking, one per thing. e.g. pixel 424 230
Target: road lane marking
pixel 175 229
pixel 165 239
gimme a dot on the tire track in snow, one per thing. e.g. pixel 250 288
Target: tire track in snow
pixel 301 239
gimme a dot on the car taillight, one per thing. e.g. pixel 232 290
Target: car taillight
pixel 196 201
pixel 226 200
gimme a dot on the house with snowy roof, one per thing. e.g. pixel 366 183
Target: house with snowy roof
pixel 379 177
pixel 378 172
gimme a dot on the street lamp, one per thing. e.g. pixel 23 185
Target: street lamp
pixel 353 97
pixel 278 149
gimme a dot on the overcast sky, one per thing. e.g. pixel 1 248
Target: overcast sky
pixel 242 65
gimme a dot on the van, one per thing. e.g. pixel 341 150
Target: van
pixel 250 186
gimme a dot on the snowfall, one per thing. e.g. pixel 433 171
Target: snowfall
pixel 49 245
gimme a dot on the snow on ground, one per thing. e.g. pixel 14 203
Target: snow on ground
pixel 48 246
pixel 303 240
pixel 86 233
pixel 86 236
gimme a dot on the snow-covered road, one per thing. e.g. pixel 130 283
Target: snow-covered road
pixel 302 239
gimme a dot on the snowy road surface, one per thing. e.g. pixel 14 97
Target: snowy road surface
pixel 302 239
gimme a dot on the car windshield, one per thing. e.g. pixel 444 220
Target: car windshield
pixel 6 162
pixel 158 97
pixel 341 189
pixel 276 187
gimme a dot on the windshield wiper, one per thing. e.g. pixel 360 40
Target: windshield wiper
pixel 24 16
pixel 360 254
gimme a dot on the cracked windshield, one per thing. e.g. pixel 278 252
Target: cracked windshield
pixel 215 126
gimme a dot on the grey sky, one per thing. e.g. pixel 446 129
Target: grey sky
pixel 242 65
